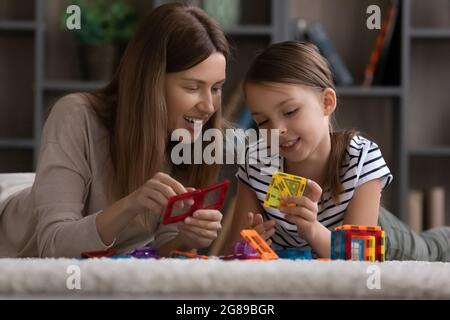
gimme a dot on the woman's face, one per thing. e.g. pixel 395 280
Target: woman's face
pixel 300 113
pixel 193 95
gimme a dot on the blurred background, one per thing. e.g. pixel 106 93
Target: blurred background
pixel 392 82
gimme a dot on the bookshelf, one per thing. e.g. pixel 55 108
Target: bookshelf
pixel 41 65
pixel 428 142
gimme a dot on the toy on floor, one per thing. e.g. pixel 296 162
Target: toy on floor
pixel 284 185
pixel 294 254
pixel 211 197
pixel 258 244
pixel 144 253
pixel 360 243
pixel 139 253
pixel 242 251
pixel 187 255
pixel 98 254
pixel 243 248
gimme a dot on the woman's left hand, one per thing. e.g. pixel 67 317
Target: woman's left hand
pixel 200 229
pixel 304 214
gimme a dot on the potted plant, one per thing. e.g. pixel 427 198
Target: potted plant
pixel 105 29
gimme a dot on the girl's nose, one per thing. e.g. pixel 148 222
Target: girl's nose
pixel 282 128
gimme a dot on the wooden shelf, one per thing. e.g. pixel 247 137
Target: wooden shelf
pixel 378 91
pixel 68 85
pixel 430 152
pixel 16 143
pixel 17 26
pixel 430 33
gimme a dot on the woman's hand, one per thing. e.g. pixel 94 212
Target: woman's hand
pixel 200 229
pixel 304 214
pixel 153 195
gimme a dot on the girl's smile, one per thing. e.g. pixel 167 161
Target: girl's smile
pixel 291 145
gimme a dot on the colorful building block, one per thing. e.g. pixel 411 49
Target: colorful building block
pixel 353 242
pixel 187 255
pixel 199 201
pixel 283 185
pixel 98 254
pixel 258 244
pixel 294 254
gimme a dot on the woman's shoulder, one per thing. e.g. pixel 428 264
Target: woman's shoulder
pixel 74 106
pixel 73 114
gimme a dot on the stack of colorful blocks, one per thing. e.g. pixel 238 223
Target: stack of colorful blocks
pixel 361 243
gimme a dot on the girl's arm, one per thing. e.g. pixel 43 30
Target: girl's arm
pixel 364 207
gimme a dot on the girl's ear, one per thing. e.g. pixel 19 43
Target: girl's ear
pixel 329 101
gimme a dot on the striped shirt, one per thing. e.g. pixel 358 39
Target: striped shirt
pixel 362 162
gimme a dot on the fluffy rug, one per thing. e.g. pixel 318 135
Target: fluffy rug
pixel 211 279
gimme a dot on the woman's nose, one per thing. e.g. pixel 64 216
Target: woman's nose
pixel 207 104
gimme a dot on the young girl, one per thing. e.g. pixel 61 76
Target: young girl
pixel 103 177
pixel 289 87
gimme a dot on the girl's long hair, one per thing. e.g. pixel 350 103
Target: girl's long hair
pixel 294 62
pixel 173 37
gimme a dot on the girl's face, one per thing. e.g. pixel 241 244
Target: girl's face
pixel 299 112
pixel 192 96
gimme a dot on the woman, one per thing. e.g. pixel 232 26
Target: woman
pixel 103 177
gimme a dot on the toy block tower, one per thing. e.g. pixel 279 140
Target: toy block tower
pixel 360 243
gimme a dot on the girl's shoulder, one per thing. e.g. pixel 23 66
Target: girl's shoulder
pixel 359 147
pixel 362 162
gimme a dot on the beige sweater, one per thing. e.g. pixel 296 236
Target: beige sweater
pixel 56 216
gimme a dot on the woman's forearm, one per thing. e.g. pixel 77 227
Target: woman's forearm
pixel 111 221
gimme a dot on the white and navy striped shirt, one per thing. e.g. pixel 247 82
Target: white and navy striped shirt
pixel 362 162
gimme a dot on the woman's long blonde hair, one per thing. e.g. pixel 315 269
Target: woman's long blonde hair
pixel 173 37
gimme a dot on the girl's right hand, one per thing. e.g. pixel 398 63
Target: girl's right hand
pixel 153 195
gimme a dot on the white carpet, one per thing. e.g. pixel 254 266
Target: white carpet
pixel 172 278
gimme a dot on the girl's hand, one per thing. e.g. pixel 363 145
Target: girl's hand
pixel 200 229
pixel 265 229
pixel 153 195
pixel 304 215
